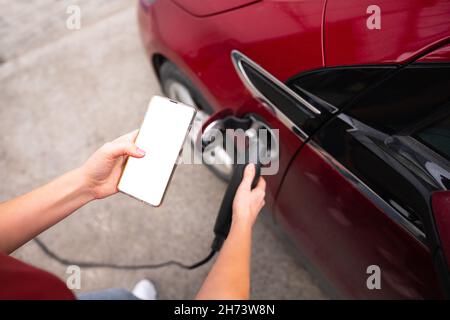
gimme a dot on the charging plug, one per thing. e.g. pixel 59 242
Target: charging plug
pixel 224 217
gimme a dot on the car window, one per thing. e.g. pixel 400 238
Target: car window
pixel 406 99
pixel 407 103
pixel 338 85
pixel 437 137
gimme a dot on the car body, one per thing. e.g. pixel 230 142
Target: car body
pixel 359 107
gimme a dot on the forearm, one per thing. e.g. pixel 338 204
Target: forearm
pixel 229 278
pixel 26 216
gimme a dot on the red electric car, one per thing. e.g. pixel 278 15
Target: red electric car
pixel 360 93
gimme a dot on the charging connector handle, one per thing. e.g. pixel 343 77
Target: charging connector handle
pixel 224 217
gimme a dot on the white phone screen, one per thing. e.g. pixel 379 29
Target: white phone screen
pixel 161 136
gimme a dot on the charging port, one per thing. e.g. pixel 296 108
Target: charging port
pixel 260 143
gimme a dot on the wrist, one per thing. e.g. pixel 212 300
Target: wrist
pixel 83 185
pixel 241 225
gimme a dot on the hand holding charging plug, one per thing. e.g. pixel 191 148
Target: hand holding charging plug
pixel 249 198
pixel 229 278
pixel 241 203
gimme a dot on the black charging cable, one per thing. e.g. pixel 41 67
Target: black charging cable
pixel 221 230
pixel 84 264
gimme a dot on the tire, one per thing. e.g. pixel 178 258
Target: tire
pixel 176 85
pixel 169 73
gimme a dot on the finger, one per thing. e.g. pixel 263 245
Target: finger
pixel 123 148
pixel 259 195
pixel 261 184
pixel 249 174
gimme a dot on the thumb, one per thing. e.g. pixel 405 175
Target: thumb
pixel 124 148
pixel 249 174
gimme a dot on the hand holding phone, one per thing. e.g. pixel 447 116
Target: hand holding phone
pixel 101 172
pixel 162 134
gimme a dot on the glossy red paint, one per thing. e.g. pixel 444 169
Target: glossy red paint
pixel 408 28
pixel 209 8
pixel 441 54
pixel 343 232
pixel 441 209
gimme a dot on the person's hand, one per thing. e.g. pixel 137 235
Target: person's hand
pixel 103 169
pixel 247 202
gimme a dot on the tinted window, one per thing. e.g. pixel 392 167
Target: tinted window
pixel 338 85
pixel 406 99
pixel 437 137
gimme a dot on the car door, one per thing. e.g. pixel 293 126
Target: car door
pixel 357 195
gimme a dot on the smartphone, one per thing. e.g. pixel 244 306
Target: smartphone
pixel 161 136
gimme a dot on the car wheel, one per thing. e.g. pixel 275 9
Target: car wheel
pixel 178 87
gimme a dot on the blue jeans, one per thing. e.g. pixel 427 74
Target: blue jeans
pixel 108 294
